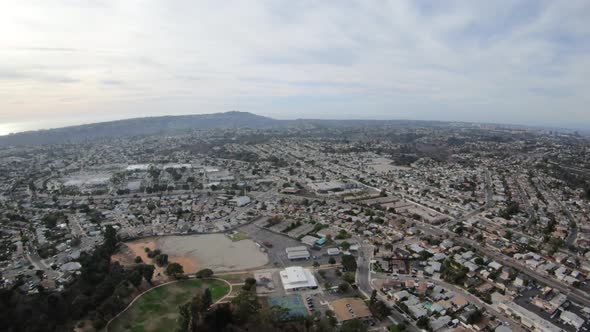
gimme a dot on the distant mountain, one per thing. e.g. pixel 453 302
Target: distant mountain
pixel 177 123
pixel 138 126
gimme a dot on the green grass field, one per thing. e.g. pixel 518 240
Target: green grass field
pixel 239 237
pixel 157 310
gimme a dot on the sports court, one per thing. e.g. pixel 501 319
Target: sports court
pixel 294 303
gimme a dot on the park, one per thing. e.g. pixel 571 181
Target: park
pixel 156 310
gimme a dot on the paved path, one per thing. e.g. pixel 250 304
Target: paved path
pixel 161 285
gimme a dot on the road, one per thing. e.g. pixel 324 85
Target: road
pixel 529 207
pixel 573 293
pixel 363 282
pixel 458 290
pixel 573 231
pixel 489 190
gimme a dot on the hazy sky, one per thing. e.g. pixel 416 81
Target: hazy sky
pixel 73 61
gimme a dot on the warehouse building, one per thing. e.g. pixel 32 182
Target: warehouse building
pixel 294 253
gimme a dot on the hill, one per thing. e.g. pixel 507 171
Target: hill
pixel 138 126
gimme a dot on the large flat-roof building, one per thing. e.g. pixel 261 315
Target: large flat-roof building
pixel 294 253
pixel 297 278
pixel 239 201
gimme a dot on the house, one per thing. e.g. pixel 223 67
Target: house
pixel 519 281
pixel 416 248
pixel 440 323
pixel 399 296
pixel 459 302
pixel 495 265
pixel 467 313
pixel 418 311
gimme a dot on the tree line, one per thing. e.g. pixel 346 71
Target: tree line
pixel 99 293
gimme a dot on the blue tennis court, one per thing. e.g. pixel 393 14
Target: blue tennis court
pixel 294 303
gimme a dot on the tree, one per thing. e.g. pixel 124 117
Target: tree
pixel 316 264
pixel 380 309
pixel 345 245
pixel 174 269
pixel 204 273
pixel 185 318
pixel 138 260
pixel 135 278
pixel 110 239
pixel 349 262
pixel 343 287
pixel 332 260
pixel 249 284
pixel 246 305
pixel 373 297
pixel 353 325
pixel 220 317
pixel 423 323
pixel 191 315
pixel 161 259
pixel 76 241
pixel 475 316
pixel 397 328
pixel 331 316
pixel 207 298
pixel 349 277
pixel 148 272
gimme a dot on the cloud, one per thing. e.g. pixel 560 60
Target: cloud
pixel 502 61
pixel 111 82
pixel 12 75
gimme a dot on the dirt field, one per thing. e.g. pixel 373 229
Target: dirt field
pixel 195 252
pixel 384 165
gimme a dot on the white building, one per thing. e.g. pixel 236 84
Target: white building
pixel 574 320
pixel 296 278
pixel 528 318
pixel 297 253
pixel 333 251
pixel 239 201
pixel 309 240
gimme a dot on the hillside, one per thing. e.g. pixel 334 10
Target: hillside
pixel 138 126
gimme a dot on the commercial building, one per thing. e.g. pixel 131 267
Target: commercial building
pixel 309 240
pixel 572 319
pixel 294 253
pixel 527 318
pixel 333 251
pixel 297 278
pixel 239 201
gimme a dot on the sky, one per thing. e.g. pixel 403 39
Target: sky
pixel 65 62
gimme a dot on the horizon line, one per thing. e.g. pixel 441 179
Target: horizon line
pixel 577 127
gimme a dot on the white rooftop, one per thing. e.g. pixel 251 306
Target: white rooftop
pixel 296 277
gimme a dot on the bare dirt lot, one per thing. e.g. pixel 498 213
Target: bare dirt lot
pixel 195 252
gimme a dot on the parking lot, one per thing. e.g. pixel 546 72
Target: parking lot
pixel 525 301
pixel 277 243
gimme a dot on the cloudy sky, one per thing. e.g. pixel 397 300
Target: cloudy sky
pixel 71 61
